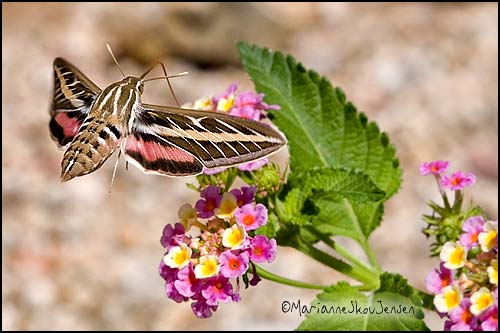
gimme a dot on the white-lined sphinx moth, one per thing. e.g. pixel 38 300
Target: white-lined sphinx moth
pixel 165 140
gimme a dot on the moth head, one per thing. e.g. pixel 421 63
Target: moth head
pixel 134 83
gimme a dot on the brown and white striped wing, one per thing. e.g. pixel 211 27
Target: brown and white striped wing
pixel 73 96
pixel 180 142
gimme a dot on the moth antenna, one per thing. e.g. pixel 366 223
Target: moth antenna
pixel 114 59
pixel 114 170
pixel 170 85
pixel 166 77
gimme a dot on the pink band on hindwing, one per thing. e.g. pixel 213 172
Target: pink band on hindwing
pixel 69 125
pixel 152 151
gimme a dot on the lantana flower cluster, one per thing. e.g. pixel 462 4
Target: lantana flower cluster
pixel 466 284
pixel 244 105
pixel 465 287
pixel 214 246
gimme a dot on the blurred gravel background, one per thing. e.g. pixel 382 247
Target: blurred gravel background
pixel 76 257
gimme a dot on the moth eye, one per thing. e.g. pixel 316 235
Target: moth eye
pixel 141 88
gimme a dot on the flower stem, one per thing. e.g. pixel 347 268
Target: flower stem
pixel 294 283
pixel 200 225
pixel 371 255
pixel 339 248
pixel 355 272
pixel 457 204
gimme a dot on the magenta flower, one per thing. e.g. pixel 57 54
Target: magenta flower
pixel 167 273
pixel 251 166
pixel 245 195
pixel 262 249
pixel 434 167
pixel 170 275
pixel 233 264
pixel 438 279
pixel 211 198
pixel 172 236
pixel 462 318
pixel 472 227
pixel 246 112
pixel 250 105
pixel 458 180
pixel 173 294
pixel 200 308
pixel 251 217
pixel 187 283
pixel 218 289
pixel 490 320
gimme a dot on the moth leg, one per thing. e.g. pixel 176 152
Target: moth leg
pixel 114 170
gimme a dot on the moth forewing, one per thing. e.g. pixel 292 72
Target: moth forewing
pixel 214 138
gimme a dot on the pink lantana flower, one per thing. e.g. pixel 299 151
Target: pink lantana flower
pixel 187 284
pixel 218 289
pixel 251 216
pixel 232 264
pixel 251 106
pixel 262 249
pixel 438 279
pixel 472 227
pixel 490 320
pixel 458 180
pixel 435 167
pixel 462 318
pixel 173 294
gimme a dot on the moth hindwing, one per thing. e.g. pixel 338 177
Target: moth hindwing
pixel 93 123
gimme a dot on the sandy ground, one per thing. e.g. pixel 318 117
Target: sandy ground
pixel 76 257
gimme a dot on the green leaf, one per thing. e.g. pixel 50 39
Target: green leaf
pixel 348 219
pixel 395 306
pixel 314 192
pixel 292 209
pixel 324 130
pixel 334 184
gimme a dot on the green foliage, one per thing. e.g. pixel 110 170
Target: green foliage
pixel 342 170
pixel 335 184
pixel 395 306
pixel 324 131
